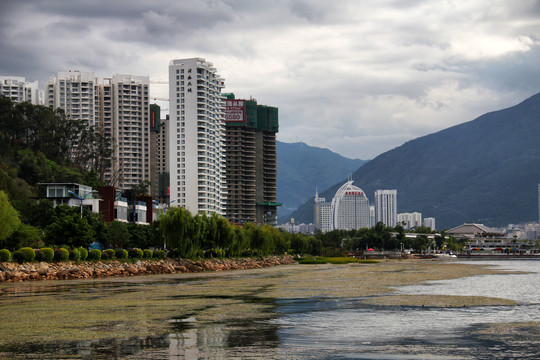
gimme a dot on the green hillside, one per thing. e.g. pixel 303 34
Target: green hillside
pixel 485 171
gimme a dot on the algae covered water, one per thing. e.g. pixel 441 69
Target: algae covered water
pixel 390 310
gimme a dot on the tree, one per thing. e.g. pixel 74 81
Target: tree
pixel 9 218
pixel 118 234
pixel 69 228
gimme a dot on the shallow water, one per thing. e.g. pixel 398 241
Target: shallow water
pixel 348 329
pixel 228 315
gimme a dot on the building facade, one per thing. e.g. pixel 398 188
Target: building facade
pixel 410 220
pixel 350 208
pixel 322 217
pixel 124 117
pixel 76 93
pixel 429 222
pixel 17 89
pixel 196 136
pixel 386 207
pixel 251 164
pixel 119 109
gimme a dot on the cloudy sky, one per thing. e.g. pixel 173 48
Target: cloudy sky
pixel 358 77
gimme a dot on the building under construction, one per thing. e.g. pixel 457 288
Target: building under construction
pixel 251 167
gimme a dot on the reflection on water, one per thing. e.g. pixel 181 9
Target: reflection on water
pixel 315 328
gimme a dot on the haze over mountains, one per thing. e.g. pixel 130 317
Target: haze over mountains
pixel 484 171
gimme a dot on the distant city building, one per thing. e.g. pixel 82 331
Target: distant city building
pixel 196 137
pixel 410 220
pixel 322 216
pixel 350 208
pixel 251 161
pixel 19 90
pixel 429 222
pixel 386 207
pixel 470 230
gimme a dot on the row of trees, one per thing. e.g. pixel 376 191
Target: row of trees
pixel 46 225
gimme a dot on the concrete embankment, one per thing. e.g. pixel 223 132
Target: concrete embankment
pixel 13 272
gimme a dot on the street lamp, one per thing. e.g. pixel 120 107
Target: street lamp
pixel 81 198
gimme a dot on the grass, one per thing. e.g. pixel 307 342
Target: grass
pixel 335 260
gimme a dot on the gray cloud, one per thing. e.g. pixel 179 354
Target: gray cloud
pixel 357 77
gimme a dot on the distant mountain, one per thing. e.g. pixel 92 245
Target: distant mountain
pixel 302 168
pixel 484 171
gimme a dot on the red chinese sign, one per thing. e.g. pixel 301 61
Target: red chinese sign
pixel 235 111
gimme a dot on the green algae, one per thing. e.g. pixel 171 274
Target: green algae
pixel 154 306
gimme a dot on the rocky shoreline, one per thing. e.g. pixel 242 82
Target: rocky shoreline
pixel 14 272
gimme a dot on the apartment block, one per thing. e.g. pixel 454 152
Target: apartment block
pixel 251 161
pixel 18 90
pixel 119 109
pixel 74 92
pixel 196 136
pixel 386 207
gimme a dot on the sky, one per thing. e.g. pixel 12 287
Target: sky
pixel 357 77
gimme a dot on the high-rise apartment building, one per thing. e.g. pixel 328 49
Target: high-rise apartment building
pixel 429 222
pixel 74 92
pixel 322 217
pixel 350 208
pixel 18 90
pixel 410 220
pixel 119 109
pixel 386 207
pixel 196 136
pixel 251 163
pixel 124 117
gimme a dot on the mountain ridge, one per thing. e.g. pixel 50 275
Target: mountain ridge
pixel 303 168
pixel 485 170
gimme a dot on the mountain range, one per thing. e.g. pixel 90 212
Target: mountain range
pixel 302 169
pixel 485 171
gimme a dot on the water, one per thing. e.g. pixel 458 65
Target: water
pixel 222 321
pixel 349 329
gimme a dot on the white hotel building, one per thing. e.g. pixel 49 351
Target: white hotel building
pixel 196 136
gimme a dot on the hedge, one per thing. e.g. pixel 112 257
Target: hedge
pixel 5 255
pixel 48 254
pixel 136 253
pixel 94 254
pixel 61 254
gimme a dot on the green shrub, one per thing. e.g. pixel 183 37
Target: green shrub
pixel 160 254
pixel 5 255
pixel 94 254
pixel 75 255
pixel 48 254
pixel 30 253
pixel 61 254
pixel 109 253
pixel 19 256
pixel 148 254
pixel 136 253
pixel 84 253
pixel 39 255
pixel 119 254
pixel 125 254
